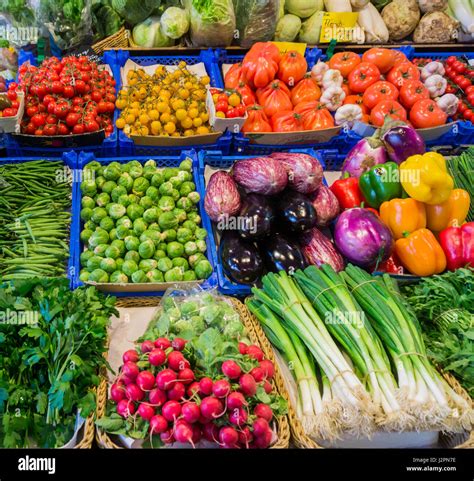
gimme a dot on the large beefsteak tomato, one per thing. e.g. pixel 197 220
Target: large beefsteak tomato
pixel 379 91
pixel 246 93
pixel 305 90
pixel 426 113
pixel 259 72
pixel 382 58
pixel 292 68
pixel 363 76
pixel 402 73
pixel 233 76
pixel 286 121
pixel 314 116
pixel 387 108
pixel 256 121
pixel 275 97
pixel 345 62
pixel 264 49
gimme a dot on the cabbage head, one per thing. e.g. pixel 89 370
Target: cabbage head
pixel 174 22
pixel 287 28
pixel 149 34
pixel 304 8
pixel 134 11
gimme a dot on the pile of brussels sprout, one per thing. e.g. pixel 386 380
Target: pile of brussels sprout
pixel 141 224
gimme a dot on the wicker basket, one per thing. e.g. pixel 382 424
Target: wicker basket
pixel 89 431
pixel 283 428
pixel 117 40
pixel 302 440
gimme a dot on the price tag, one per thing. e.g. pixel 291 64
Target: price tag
pixel 340 26
pixel 287 46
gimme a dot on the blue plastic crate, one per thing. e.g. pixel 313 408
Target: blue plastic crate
pixel 162 161
pixel 217 160
pixel 69 159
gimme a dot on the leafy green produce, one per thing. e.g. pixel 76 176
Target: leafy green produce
pixel 462 170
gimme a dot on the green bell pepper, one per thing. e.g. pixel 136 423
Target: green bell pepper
pixel 380 183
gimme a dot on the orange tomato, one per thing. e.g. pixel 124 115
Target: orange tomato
pixel 275 97
pixel 363 76
pixel 307 89
pixel 346 88
pixel 292 68
pixel 426 113
pixel 400 57
pixel 314 116
pixel 259 72
pixel 379 91
pixel 387 108
pixel 264 49
pixel 411 92
pixel 357 100
pixel 402 73
pixel 345 62
pixel 256 121
pixel 383 58
pixel 233 77
pixel 286 121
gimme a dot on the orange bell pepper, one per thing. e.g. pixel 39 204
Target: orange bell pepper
pixel 451 213
pixel 421 253
pixel 402 216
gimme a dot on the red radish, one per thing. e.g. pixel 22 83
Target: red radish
pixel 177 392
pixel 134 393
pixel 162 343
pixel 197 433
pixel 193 389
pixel 210 432
pixel 248 385
pixel 178 344
pixel 117 392
pixel 125 408
pixel 202 420
pixel 146 346
pixel 130 369
pixel 165 379
pixel 183 433
pixel 146 411
pixel 263 411
pixel 243 348
pixel 191 412
pixel 258 374
pixel 186 376
pixel 157 397
pixel 171 410
pixel 228 436
pixel 157 357
pixel 231 369
pixel 176 361
pixel 268 368
pixel 206 385
pixel 158 424
pixel 130 356
pixel 235 400
pixel 238 416
pixel 126 380
pixel 264 441
pixel 260 427
pixel 167 437
pixel 268 387
pixel 255 352
pixel 245 436
pixel 145 381
pixel 221 388
pixel 211 407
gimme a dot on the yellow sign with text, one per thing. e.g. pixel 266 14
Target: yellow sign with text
pixel 287 46
pixel 340 26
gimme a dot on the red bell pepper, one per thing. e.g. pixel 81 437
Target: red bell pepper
pixel 458 245
pixel 347 192
pixel 392 265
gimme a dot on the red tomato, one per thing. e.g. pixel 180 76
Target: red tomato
pixel 11 94
pixel 51 119
pixel 30 111
pixel 460 67
pixel 232 113
pixel 30 129
pixel 38 120
pixel 379 91
pixel 286 121
pixel 91 125
pixel 402 73
pixel 363 76
pixel 382 58
pixel 385 108
pixel 78 129
pixel 426 113
pixel 275 97
pixel 8 112
pixel 468 114
pixel 96 96
pixel 411 92
pixel 68 91
pixel 345 62
pixel 61 110
pixel 222 106
pixel 63 130
pixel 50 129
pixel 57 88
pixel 80 87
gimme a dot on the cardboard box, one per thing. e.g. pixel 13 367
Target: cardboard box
pixel 233 125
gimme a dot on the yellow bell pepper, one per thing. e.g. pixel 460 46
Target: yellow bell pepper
pixel 403 215
pixel 421 253
pixel 425 178
pixel 451 213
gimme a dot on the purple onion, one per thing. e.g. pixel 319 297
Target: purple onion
pixel 318 250
pixel 222 197
pixel 364 155
pixel 403 141
pixel 261 175
pixel 362 237
pixel 325 204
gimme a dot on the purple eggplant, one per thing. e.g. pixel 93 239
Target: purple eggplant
pixel 326 205
pixel 282 254
pixel 256 217
pixel 362 237
pixel 295 212
pixel 403 141
pixel 318 250
pixel 364 155
pixel 222 198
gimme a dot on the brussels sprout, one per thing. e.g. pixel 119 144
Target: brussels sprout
pixel 149 172
pixel 125 167
pixel 139 277
pixel 201 245
pixel 117 192
pixel 113 234
pixel 86 214
pixel 186 188
pixel 162 246
pixel 150 163
pixel 174 275
pixel 135 211
pixel 112 172
pixel 100 181
pixel 180 214
pixel 165 188
pixel 120 245
pixel 122 232
pixel 150 215
pixel 108 265
pixel 186 165
pixel 194 197
pixel 157 179
pixel 159 254
pixel 119 263
pixel 153 193
pixel 98 214
pixel 148 264
pixel 175 194
pixel 155 276
pixel 84 276
pixel 117 210
pixel 176 182
pixel 125 221
pixel 136 171
pixel 147 202
pixel 200 233
pixel 89 225
pixel 175 249
pixel 139 226
pixel 133 199
pixel 154 226
pixel 133 164
pixel 98 275
pixel 184 235
pixel 146 249
pixel 184 203
pixel 203 269
pixel 112 252
pixel 100 250
pixel 165 264
pixel 168 220
pixel 189 276
pixel 181 262
pixel 185 176
pixel 107 224
pixel 118 277
pixel 89 188
pixel 169 235
pixel 189 224
pixel 129 266
pixel 87 202
pixel 85 256
pixel 190 248
pixel 195 258
pixel 169 172
pixel 102 199
pixel 140 186
pixel 132 256
pixel 98 237
pixel 93 263
pixel 93 166
pixel 131 243
pixel 152 235
pixel 166 203
pixel 109 186
pixel 124 200
pixel 125 181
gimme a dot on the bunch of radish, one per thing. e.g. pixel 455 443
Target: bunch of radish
pixel 157 383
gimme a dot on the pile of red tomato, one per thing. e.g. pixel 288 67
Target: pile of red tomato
pixel 68 96
pixel 12 105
